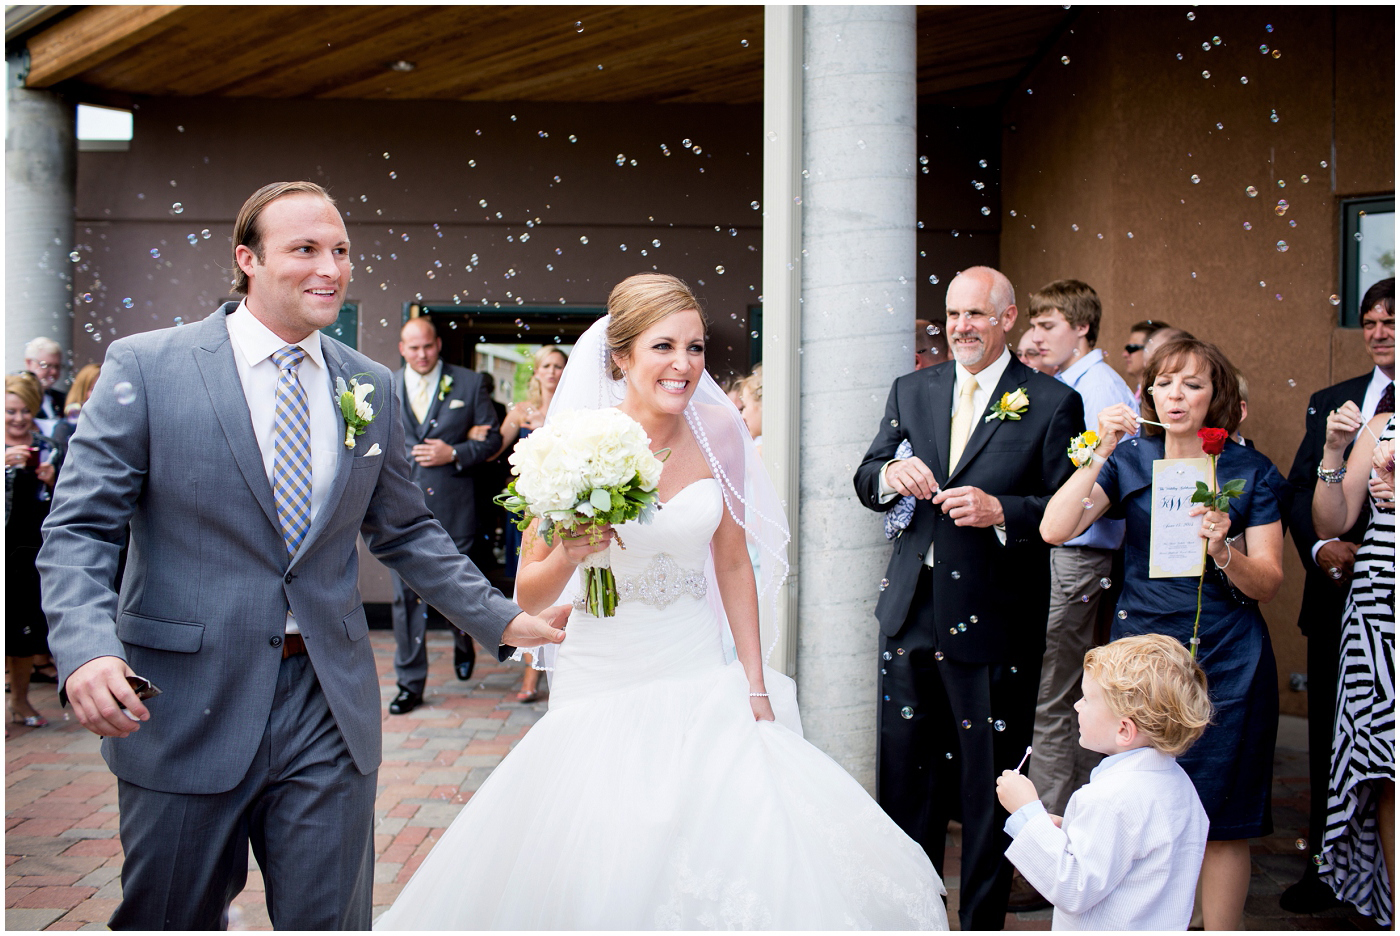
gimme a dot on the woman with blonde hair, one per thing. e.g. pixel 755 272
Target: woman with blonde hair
pixel 666 789
pixel 31 468
pixel 522 419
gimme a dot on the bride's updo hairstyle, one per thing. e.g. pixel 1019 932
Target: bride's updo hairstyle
pixel 639 302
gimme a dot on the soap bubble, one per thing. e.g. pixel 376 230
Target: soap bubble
pixel 177 208
pixel 155 254
pixel 1335 299
pixel 127 303
pixel 1205 74
pixel 1122 615
pixel 720 269
pixel 884 584
pixel 124 392
pixel 75 256
pixel 956 575
pixel 938 654
pixel 907 712
pixel 1282 246
pixel 1282 208
pixel 1105 583
pixel 1251 191
pixel 932 329
pixel 192 238
pixel 1195 179
pixel 1064 60
pixel 583 240
pixel 966 723
pixel 999 725
pixel 1248 226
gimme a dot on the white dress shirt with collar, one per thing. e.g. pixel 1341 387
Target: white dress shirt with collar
pixel 254 344
pixel 412 380
pixel 1128 852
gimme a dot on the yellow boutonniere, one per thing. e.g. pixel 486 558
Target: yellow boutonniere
pixel 444 387
pixel 1010 406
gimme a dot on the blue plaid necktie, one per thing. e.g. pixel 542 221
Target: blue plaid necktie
pixel 291 448
pixel 897 517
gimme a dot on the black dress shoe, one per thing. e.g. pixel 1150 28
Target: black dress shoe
pixel 405 702
pixel 1309 895
pixel 463 663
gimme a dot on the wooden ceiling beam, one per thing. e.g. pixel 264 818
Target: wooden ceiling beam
pixel 95 35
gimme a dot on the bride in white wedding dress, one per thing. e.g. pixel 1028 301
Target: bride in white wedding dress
pixel 659 791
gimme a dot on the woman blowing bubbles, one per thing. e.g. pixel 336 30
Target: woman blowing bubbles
pixel 1190 384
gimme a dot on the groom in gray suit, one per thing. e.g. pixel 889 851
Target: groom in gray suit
pixel 244 485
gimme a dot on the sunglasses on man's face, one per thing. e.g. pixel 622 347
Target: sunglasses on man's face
pixel 1133 348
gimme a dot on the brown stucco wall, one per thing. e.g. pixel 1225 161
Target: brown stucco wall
pixel 1111 141
pixel 210 154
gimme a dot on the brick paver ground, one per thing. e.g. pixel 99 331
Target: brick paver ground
pixel 63 857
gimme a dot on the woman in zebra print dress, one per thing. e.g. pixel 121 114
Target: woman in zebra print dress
pixel 1358 853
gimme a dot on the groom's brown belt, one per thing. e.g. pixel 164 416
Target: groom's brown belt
pixel 292 644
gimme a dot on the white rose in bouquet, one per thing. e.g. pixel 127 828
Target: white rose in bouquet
pixel 585 469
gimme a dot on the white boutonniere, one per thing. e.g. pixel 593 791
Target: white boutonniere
pixel 354 406
pixel 444 387
pixel 1010 406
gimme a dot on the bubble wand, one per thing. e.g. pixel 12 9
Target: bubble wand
pixel 1023 759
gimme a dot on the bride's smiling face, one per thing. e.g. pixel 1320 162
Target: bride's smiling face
pixel 664 364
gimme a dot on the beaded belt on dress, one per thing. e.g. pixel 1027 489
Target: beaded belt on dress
pixel 661 583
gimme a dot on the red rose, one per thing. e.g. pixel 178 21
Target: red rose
pixel 1213 440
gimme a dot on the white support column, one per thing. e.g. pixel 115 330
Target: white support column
pixel 40 176
pixel 782 288
pixel 857 263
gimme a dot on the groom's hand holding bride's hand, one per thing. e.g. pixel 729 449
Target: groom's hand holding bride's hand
pixel 533 630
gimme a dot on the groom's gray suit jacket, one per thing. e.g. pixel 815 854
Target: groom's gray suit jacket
pixel 208 582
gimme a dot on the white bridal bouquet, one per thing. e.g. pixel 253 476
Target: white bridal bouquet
pixel 589 468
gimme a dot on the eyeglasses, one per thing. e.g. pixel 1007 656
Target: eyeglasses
pixel 1133 348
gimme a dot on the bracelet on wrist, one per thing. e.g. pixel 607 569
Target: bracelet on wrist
pixel 1331 475
pixel 1229 555
pixel 758 695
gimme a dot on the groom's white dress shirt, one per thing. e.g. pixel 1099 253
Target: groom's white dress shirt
pixel 1129 850
pixel 255 344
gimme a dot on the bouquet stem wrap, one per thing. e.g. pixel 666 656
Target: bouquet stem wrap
pixel 600 586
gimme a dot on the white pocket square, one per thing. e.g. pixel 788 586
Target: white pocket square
pixel 457 404
pixel 373 450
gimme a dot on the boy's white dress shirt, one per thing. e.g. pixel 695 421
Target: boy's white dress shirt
pixel 1129 852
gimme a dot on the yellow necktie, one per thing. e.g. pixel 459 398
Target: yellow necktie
pixel 962 423
pixel 420 400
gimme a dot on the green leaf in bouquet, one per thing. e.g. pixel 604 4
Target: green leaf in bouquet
pixel 600 498
pixel 1203 495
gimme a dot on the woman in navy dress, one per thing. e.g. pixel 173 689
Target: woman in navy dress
pixel 1190 384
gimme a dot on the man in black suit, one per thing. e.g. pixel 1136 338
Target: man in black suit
pixel 1328 564
pixel 441 403
pixel 963 606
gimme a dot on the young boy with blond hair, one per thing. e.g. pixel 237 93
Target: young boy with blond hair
pixel 1128 851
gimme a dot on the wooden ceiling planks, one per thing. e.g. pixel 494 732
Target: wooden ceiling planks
pixel 967 47
pixel 648 53
pixel 656 54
